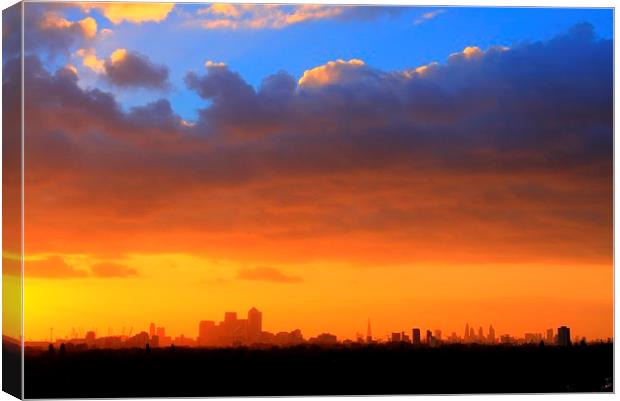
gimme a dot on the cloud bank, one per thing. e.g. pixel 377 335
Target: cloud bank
pixel 496 155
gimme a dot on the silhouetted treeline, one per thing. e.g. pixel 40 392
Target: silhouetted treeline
pixel 315 370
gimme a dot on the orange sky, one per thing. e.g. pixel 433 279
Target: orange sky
pixel 463 192
pixel 323 256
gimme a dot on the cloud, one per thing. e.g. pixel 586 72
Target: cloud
pixel 107 269
pixel 60 111
pixel 332 72
pixel 45 28
pixel 471 52
pixel 223 9
pixel 267 274
pixel 127 69
pixel 56 267
pixel 136 13
pixel 271 16
pixel 251 16
pixel 428 16
pixel 210 64
pixel 90 60
pixel 52 267
pixel 504 154
pixel 132 69
pixel 52 22
pixel 11 31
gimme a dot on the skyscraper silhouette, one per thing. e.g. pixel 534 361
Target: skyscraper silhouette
pixel 161 332
pixel 549 337
pixel 491 337
pixel 254 325
pixel 368 333
pixel 415 335
pixel 563 336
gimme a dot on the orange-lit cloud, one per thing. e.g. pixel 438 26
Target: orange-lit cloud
pixel 333 71
pixel 71 68
pixel 469 52
pixel 210 64
pixel 264 273
pixel 421 70
pixel 52 267
pixel 257 16
pixel 48 30
pixel 118 56
pixel 90 60
pixel 53 21
pixel 428 16
pixel 132 12
pixel 225 9
pixel 57 267
pixel 272 16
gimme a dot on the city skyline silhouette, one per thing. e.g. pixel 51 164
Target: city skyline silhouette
pixel 234 331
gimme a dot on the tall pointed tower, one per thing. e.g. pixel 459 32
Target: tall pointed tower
pixel 368 333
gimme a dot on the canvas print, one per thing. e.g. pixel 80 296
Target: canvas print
pixel 226 199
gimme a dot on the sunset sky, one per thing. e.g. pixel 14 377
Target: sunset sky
pixel 421 167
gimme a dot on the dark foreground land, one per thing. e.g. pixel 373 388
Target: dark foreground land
pixel 11 368
pixel 313 370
